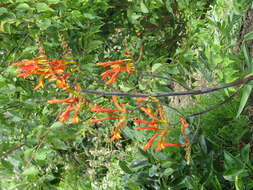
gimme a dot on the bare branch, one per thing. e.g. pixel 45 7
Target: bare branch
pixel 165 94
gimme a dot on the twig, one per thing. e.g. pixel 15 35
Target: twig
pixel 165 94
pixel 13 49
pixel 167 78
pixel 214 106
pixel 13 149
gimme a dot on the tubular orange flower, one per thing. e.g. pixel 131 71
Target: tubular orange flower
pixel 150 142
pixel 184 125
pixel 122 117
pixel 46 69
pixel 75 104
pixel 118 66
pixel 163 145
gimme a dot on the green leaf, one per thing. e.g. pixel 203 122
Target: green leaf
pixel 232 173
pixel 147 155
pixel 124 167
pixel 144 9
pixel 238 183
pixel 3 10
pixel 31 171
pixel 43 7
pixel 53 1
pixel 245 96
pixel 44 24
pixel 247 57
pixel 248 36
pixel 245 153
pixel 89 16
pixel 23 7
pixel 156 67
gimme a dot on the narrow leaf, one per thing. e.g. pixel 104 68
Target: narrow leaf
pixel 245 96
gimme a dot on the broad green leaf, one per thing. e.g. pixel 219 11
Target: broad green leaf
pixel 144 9
pixel 53 1
pixel 232 173
pixel 23 7
pixel 43 7
pixel 248 36
pixel 31 171
pixel 245 96
pixel 147 155
pixel 137 163
pixel 156 67
pixel 89 16
pixel 3 10
pixel 133 187
pixel 238 183
pixel 124 167
pixel 245 153
pixel 28 154
pixel 44 24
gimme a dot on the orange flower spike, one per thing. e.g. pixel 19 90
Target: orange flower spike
pixel 162 145
pixel 140 100
pixel 150 142
pixel 148 112
pixel 26 62
pixel 65 115
pixel 106 64
pixel 56 101
pixel 116 136
pixel 75 116
pixel 40 84
pixel 144 122
pixel 184 125
pixel 112 79
pixel 97 108
pixel 116 103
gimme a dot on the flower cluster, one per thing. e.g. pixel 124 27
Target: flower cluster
pixel 61 69
pixel 113 116
pixel 118 66
pixel 75 104
pixel 53 70
pixel 158 123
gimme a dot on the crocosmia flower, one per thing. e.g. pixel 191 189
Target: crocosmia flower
pixel 74 104
pixel 117 67
pixel 52 70
pixel 159 124
pixel 120 113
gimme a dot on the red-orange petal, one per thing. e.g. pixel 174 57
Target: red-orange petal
pixel 97 108
pixel 56 101
pixel 103 119
pixel 145 122
pixel 106 64
pixel 65 115
pixel 163 145
pixel 116 135
pixel 150 142
pixel 148 128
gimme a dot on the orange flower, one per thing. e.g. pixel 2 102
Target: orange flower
pixel 118 66
pixel 161 143
pixel 74 104
pixel 46 69
pixel 184 125
pixel 158 119
pixel 122 117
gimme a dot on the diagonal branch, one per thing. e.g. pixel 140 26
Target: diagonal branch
pixel 165 94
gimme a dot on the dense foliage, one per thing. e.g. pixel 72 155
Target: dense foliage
pixel 174 45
